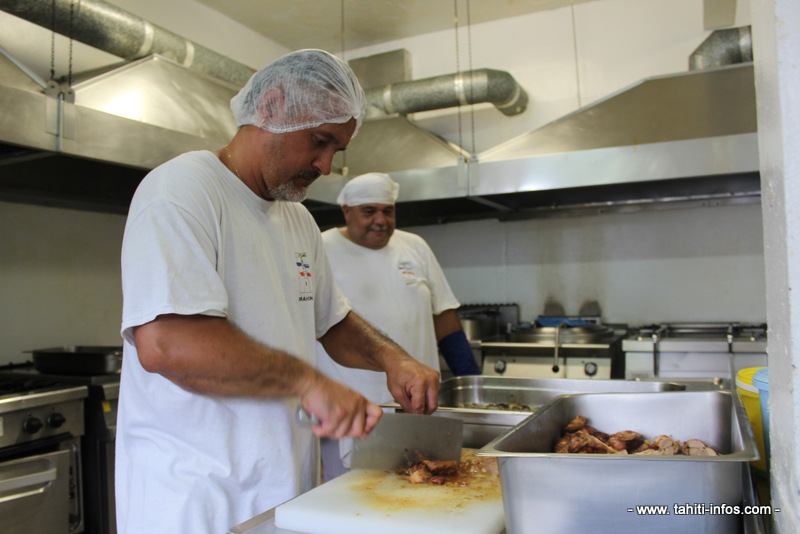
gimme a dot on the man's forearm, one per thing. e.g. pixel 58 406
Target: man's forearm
pixel 211 356
pixel 353 342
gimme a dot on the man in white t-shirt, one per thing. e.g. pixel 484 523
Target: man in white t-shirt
pixel 226 288
pixel 393 280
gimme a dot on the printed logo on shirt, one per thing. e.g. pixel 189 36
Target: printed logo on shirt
pixel 407 272
pixel 304 271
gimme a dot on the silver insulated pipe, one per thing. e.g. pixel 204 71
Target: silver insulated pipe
pixel 723 47
pixel 118 32
pixel 451 90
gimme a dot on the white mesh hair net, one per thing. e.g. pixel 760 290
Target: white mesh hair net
pixel 314 87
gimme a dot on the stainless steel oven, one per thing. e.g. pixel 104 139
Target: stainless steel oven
pixel 41 424
pixel 694 350
pixel 96 443
pixel 567 348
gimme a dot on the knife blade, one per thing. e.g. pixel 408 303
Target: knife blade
pixel 401 439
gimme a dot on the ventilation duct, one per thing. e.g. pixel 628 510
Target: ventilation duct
pixel 118 32
pixel 460 89
pixel 723 47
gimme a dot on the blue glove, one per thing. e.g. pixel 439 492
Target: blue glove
pixel 458 354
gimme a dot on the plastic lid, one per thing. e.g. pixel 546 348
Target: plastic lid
pixel 761 378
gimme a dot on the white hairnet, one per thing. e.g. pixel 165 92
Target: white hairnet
pixel 370 188
pixel 316 87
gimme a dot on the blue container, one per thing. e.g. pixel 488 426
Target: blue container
pixel 761 381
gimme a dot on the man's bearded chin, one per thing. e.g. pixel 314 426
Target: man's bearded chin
pixel 291 191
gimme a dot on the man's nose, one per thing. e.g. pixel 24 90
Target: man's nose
pixel 380 219
pixel 324 162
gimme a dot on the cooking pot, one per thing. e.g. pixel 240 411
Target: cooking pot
pixel 78 360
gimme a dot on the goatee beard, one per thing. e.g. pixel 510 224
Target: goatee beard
pixel 290 191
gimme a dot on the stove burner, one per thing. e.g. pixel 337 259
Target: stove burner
pixel 25 384
pixel 564 333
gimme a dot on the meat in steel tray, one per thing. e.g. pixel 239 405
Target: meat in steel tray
pixel 365 502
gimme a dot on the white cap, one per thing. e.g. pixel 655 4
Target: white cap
pixel 370 188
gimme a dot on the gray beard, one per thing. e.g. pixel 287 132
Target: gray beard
pixel 289 191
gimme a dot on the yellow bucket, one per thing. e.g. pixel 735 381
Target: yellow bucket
pixel 752 405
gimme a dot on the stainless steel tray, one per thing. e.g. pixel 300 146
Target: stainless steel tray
pixel 550 492
pixel 490 392
pixel 78 360
pixel 484 403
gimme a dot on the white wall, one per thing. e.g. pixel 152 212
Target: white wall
pixel 676 265
pixel 59 279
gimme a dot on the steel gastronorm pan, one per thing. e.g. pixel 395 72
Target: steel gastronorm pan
pixel 482 402
pixel 550 492
pixel 78 360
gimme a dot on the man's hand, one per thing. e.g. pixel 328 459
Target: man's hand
pixel 341 411
pixel 413 385
pixel 355 343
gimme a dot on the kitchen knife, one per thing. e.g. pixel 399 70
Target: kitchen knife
pixel 401 439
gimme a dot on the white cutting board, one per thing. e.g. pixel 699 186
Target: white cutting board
pixel 380 502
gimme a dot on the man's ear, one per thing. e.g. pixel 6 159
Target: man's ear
pixel 272 107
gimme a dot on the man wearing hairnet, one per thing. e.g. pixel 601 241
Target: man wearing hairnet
pixel 226 288
pixel 392 279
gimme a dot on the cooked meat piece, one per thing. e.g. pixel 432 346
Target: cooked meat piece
pixel 579 437
pixel 695 447
pixel 600 447
pixel 596 433
pixel 441 467
pixel 438 480
pixel 665 445
pixel 617 444
pixel 576 424
pixel 582 441
pixel 562 445
pixel 420 476
pixel 627 439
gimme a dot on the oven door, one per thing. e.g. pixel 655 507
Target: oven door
pixel 34 494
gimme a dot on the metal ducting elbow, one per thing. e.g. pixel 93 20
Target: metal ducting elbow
pixel 451 90
pixel 118 32
pixel 723 47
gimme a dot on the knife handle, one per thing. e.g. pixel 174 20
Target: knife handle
pixel 305 419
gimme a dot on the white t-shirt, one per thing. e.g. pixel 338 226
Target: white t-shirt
pixel 198 241
pixel 398 289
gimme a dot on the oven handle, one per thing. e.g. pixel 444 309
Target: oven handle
pixel 41 478
pixel 76 519
pixel 557 343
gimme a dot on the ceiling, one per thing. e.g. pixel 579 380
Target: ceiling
pixel 291 23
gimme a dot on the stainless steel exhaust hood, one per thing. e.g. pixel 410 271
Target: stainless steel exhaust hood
pixel 686 137
pixel 92 153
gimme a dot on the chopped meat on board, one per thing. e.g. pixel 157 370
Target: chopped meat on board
pixel 441 472
pixel 579 437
